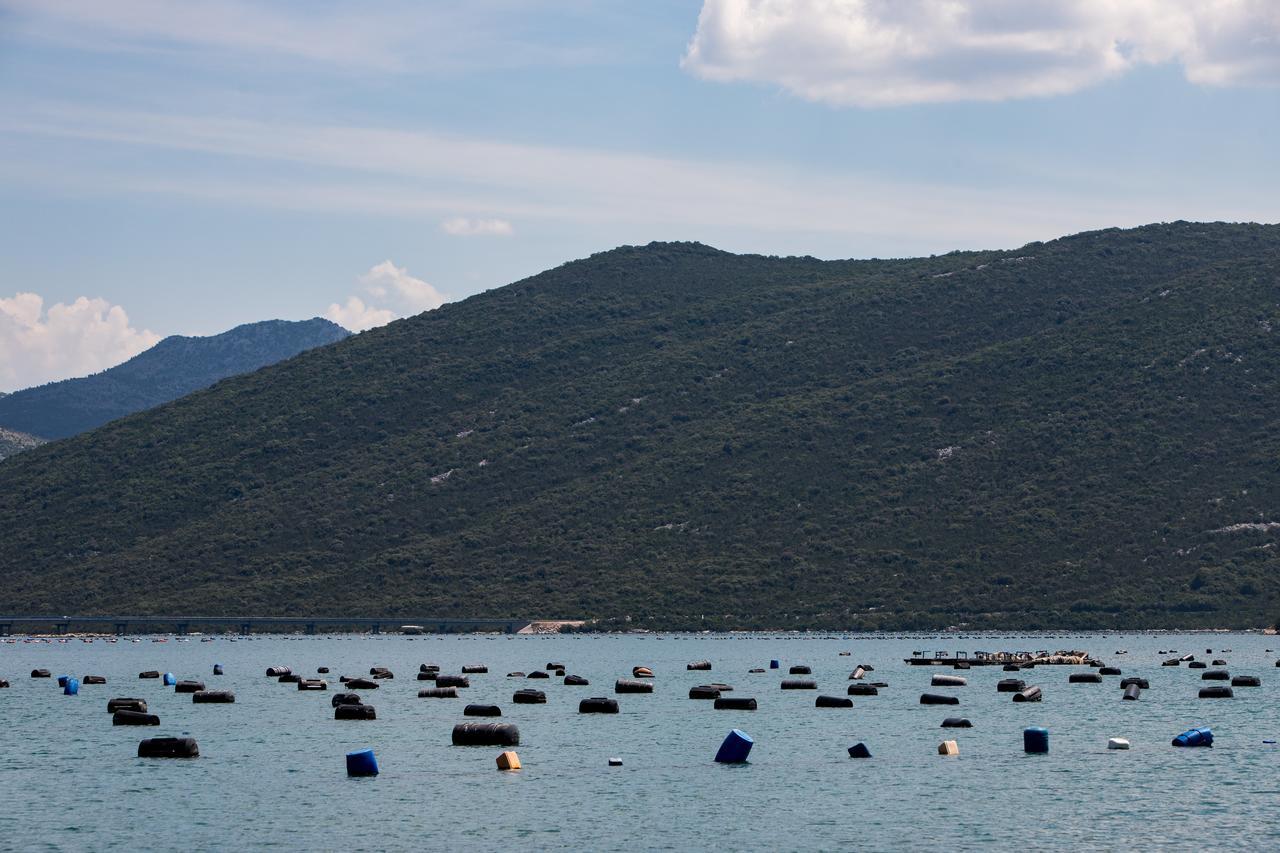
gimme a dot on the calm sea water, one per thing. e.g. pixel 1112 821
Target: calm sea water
pixel 272 772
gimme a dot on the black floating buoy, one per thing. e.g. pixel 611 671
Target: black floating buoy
pixel 168 747
pixel 3 684
pixel 799 684
pixel 529 696
pixel 1215 675
pixel 475 669
pixel 217 669
pixel 428 675
pixel 704 691
pixel 362 684
pixel 44 673
pixel 1219 662
pixel 289 678
pixel 380 672
pixel 1197 664
pixel 1010 685
pixel 1109 670
pixel 486 734
pixel 721 686
pixel 699 665
pixel 126 703
pixel 960 664
pixel 1218 691
pixel 735 703
pixel 1141 682
pixel 759 669
pixel 509 675
pixel 438 693
pixel 948 681
pixel 213 697
pixel 1176 662
pixel 1084 678
pixel 275 671
pixel 555 665
pixel 93 679
pixel 1011 667
pixel 447 680
pixel 355 712
pixel 938 699
pixel 833 702
pixel 598 705
pixel 312 684
pixel 345 699
pixel 537 673
pixel 956 723
pixel 1031 694
pixel 863 690
pixel 1132 692
pixel 429 667
pixel 188 687
pixel 859 750
pixel 482 711
pixel 799 669
pixel 626 685
pixel 1246 681
pixel 322 670
pixel 575 681
pixel 125 717
pixel 151 673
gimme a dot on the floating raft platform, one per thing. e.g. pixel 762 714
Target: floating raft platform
pixel 1039 658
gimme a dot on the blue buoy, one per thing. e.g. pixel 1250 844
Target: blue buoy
pixel 859 750
pixel 773 664
pixel 362 763
pixel 62 680
pixel 169 680
pixel 217 669
pixel 1035 739
pixel 1202 736
pixel 71 687
pixel 736 747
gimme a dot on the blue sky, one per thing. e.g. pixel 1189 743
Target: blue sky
pixel 182 167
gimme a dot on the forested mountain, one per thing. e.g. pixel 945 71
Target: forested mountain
pixel 171 369
pixel 1077 433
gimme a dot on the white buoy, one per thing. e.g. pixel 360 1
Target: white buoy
pixel 1117 743
pixel 615 762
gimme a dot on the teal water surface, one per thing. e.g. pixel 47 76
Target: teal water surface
pixel 272 774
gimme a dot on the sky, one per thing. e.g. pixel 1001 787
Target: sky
pixel 184 166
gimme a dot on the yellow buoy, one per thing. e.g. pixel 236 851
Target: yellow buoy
pixel 948 747
pixel 508 761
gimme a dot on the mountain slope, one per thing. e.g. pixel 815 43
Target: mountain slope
pixel 1064 435
pixel 171 369
pixel 15 442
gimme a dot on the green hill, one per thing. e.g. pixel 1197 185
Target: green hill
pixel 171 369
pixel 1076 433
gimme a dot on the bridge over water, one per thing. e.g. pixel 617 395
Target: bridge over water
pixel 248 624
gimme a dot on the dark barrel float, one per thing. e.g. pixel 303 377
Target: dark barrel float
pixel 575 681
pixel 289 678
pixel 354 712
pixel 704 691
pixel 125 717
pixel 598 705
pixel 1197 664
pixel 799 684
pixel 938 699
pixel 482 711
pixel 362 684
pixel 1132 693
pixel 537 673
pixel 1109 670
pixel 1084 678
pixel 486 734
pixel 626 685
pixel 1010 685
pixel 475 669
pixel 428 674
pixel 438 693
pixel 863 690
pixel 800 669
pixel 345 699
pixel 213 697
pixel 93 679
pixel 699 665
pixel 529 696
pixel 956 723
pixel 1246 681
pixel 833 702
pixel 1141 682
pixel 188 687
pixel 380 672
pixel 735 703
pixel 1031 694
pixel 1218 691
pixel 126 703
pixel 1215 675
pixel 44 673
pixel 447 680
pixel 277 671
pixel 168 747
pixel 150 673
pixel 948 681
pixel 313 684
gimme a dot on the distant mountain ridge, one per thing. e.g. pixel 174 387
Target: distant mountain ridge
pixel 173 368
pixel 1080 433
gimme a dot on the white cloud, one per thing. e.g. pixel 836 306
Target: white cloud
pixel 392 293
pixel 889 52
pixel 460 226
pixel 86 336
